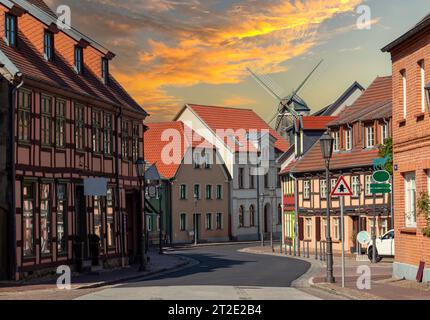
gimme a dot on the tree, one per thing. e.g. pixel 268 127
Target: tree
pixel 386 149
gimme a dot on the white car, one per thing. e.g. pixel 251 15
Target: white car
pixel 384 247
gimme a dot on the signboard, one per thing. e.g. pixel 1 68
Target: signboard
pixel 381 176
pixel 341 188
pixel 382 182
pixel 95 187
pixel 363 238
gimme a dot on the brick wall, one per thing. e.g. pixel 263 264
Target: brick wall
pixel 411 136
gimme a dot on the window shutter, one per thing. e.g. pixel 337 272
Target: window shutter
pixel 301 229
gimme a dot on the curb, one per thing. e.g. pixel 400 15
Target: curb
pixel 202 245
pixel 335 291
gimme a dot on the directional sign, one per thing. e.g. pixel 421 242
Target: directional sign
pixel 380 188
pixel 341 189
pixel 381 176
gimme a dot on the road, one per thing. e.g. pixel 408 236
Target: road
pixel 220 273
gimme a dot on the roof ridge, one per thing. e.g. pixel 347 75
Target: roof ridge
pixel 219 107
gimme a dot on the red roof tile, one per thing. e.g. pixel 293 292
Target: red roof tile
pixel 154 145
pixel 218 118
pixel 43 6
pixel 288 168
pixel 316 122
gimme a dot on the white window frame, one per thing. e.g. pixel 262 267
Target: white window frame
pixel 308 228
pixel 336 142
pixel 336 228
pixel 410 200
pixel 306 189
pixel 348 139
pixel 370 136
pixel 208 221
pixel 368 181
pixel 355 182
pixel 384 132
pixel 323 189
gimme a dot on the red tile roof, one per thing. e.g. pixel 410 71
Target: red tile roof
pixel 43 6
pixel 154 145
pixel 288 168
pixel 61 74
pixel 232 118
pixel 375 103
pixel 316 122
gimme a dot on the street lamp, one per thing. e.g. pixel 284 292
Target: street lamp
pixel 141 169
pixel 327 142
pixel 272 196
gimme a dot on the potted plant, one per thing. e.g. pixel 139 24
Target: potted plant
pixel 94 244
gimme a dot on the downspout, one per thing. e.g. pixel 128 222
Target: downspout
pixel 387 122
pixel 117 191
pixel 13 87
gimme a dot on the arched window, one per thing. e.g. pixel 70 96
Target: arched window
pixel 279 214
pixel 241 216
pixel 252 216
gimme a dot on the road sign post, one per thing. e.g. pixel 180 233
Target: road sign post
pixel 341 190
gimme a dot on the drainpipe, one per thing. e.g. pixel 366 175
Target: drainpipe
pixel 117 191
pixel 13 87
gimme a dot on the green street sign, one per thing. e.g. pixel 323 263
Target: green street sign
pixel 380 188
pixel 381 176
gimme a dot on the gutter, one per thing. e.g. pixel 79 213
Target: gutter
pixel 14 85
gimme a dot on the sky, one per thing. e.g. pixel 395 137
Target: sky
pixel 172 52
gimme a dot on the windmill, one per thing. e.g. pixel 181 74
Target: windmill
pixel 285 108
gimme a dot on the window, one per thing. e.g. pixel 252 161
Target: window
pixel 97 131
pixel 241 184
pixel 48 45
pixel 370 136
pixel 384 132
pixel 241 217
pixel 11 31
pixel 136 145
pixel 251 179
pixel 219 192
pixel 219 221
pixel 79 127
pixel 110 218
pixel 46 120
pixel 208 192
pixel 332 184
pixel 266 180
pixel 308 224
pixel 279 214
pixel 348 139
pixel 405 92
pixel 383 227
pixel 61 219
pixel 197 160
pixel 105 70
pixel 197 191
pixel 208 221
pixel 124 141
pixel 98 219
pixel 183 222
pixel 28 219
pixel 252 216
pixel 150 223
pixel 336 229
pixel 108 135
pixel 60 123
pixel 410 200
pixel 79 59
pixel 369 181
pixel 24 115
pixel 324 229
pixel 208 161
pixel 45 219
pixel 306 189
pixel 356 188
pixel 183 191
pixel 278 178
pixel 336 142
pixel 323 189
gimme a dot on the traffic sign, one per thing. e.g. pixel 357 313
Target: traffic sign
pixel 363 238
pixel 380 188
pixel 341 188
pixel 381 176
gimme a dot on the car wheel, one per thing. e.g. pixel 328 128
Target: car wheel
pixel 370 255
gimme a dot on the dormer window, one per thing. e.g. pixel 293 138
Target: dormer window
pixel 11 30
pixel 348 139
pixel 79 59
pixel 105 70
pixel 48 45
pixel 336 142
pixel 370 136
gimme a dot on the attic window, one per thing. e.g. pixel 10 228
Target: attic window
pixel 10 30
pixel 48 45
pixel 105 70
pixel 79 59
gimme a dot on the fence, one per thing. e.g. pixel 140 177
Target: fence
pixel 303 249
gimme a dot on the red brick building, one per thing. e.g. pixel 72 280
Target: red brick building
pixel 64 119
pixel 410 56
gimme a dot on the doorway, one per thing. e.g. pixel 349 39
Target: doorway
pixel 131 225
pixel 196 226
pixel 81 218
pixel 267 219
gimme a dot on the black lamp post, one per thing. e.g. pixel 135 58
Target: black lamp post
pixel 327 142
pixel 141 169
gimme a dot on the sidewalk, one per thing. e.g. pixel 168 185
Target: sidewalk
pixel 383 286
pixel 38 288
